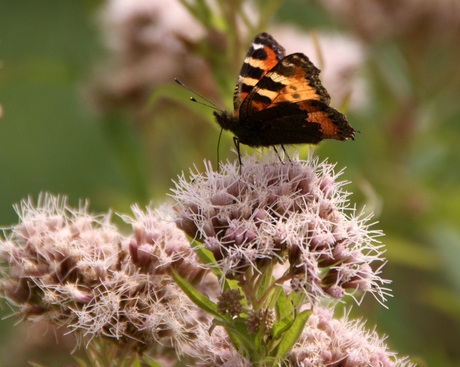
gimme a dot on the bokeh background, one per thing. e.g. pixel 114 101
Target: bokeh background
pixel 89 110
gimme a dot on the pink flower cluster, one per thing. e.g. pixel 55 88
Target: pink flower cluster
pixel 75 269
pixel 294 213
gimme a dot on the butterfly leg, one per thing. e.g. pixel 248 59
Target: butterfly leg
pixel 237 145
pixel 277 154
pixel 285 153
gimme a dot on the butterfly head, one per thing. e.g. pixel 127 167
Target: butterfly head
pixel 226 120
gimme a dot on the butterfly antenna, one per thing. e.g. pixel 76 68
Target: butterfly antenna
pixel 208 102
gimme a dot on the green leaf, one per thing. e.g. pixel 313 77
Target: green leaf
pixel 259 341
pixel 295 300
pixel 267 281
pixel 205 255
pixel 292 335
pixel 207 258
pixel 196 297
pixel 231 284
pixel 242 340
pixel 283 307
pixel 281 326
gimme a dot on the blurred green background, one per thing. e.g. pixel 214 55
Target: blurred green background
pixel 125 149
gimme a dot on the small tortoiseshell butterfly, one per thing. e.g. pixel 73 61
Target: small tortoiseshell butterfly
pixel 279 100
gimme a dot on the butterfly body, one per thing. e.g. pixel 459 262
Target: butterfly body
pixel 280 100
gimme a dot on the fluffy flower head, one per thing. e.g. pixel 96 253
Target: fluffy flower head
pixel 325 342
pixel 74 269
pixel 295 214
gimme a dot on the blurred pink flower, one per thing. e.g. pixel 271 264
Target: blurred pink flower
pixel 374 19
pixel 150 44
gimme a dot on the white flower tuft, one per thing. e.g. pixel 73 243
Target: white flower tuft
pixel 326 341
pixel 75 269
pixel 294 212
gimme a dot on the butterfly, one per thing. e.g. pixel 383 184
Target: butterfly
pixel 280 100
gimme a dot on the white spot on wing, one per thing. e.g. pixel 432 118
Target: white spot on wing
pixel 249 81
pixel 267 93
pixel 253 62
pixel 287 64
pixel 278 78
